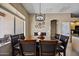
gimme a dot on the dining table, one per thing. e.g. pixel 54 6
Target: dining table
pixel 37 39
pixel 37 43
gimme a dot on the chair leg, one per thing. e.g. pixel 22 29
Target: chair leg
pixel 21 52
pixel 64 53
pixel 59 53
pixel 13 54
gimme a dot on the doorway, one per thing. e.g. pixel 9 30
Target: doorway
pixel 53 28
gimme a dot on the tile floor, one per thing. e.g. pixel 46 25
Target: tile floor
pixel 70 51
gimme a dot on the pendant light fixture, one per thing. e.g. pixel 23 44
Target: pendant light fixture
pixel 40 16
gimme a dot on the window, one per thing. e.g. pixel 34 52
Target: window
pixel 19 25
pixel 6 23
pixel 10 24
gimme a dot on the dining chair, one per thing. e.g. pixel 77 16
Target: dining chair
pixel 28 47
pixel 62 47
pixel 57 36
pixel 15 45
pixel 48 47
pixel 41 36
pixel 21 36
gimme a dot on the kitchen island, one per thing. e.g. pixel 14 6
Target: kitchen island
pixel 5 48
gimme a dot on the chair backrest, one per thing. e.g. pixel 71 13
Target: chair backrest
pixel 48 47
pixel 64 40
pixel 21 36
pixel 14 39
pixel 57 36
pixel 15 44
pixel 28 46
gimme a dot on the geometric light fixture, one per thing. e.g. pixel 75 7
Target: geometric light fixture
pixel 40 16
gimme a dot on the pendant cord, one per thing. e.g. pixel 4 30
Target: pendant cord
pixel 40 8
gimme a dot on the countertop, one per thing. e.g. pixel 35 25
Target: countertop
pixel 75 35
pixel 2 44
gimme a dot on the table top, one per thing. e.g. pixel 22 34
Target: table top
pixel 37 40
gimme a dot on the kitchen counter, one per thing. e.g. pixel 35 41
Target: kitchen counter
pixel 2 44
pixel 75 35
pixel 5 49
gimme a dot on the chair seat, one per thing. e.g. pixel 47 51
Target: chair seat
pixel 17 46
pixel 60 48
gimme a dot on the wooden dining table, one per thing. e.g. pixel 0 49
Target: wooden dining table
pixel 37 40
pixel 37 43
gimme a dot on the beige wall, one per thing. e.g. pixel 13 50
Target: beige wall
pixel 60 17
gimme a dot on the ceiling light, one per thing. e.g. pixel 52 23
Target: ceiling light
pixel 40 16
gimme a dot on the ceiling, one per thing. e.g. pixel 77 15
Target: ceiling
pixel 33 8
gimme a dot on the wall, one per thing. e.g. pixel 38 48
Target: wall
pixel 60 17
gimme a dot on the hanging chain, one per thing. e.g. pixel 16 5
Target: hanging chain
pixel 40 8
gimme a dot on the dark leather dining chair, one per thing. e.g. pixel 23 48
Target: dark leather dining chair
pixel 21 36
pixel 15 45
pixel 48 47
pixel 57 36
pixel 62 47
pixel 28 47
